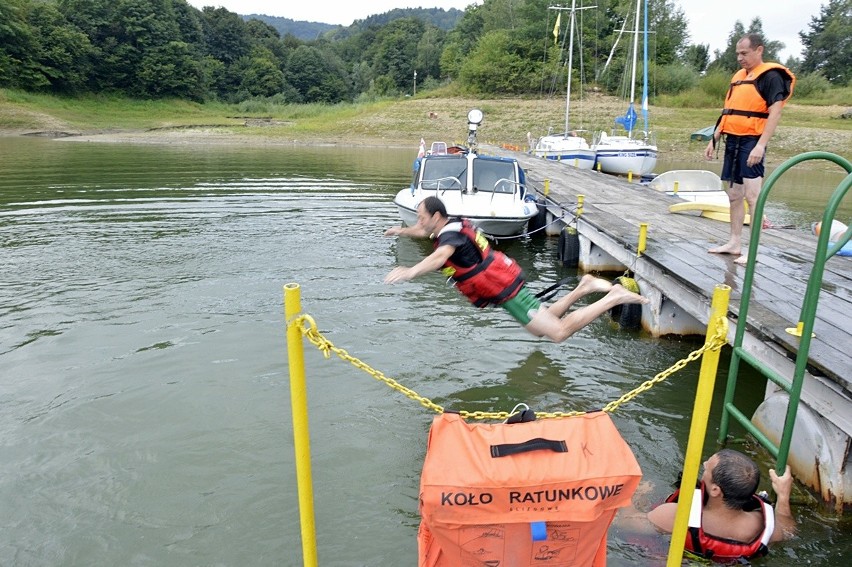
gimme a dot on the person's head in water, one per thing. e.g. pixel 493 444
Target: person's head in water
pixel 735 474
pixel 431 214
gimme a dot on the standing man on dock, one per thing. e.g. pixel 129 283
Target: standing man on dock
pixel 488 277
pixel 752 110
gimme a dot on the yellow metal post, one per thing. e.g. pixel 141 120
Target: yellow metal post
pixel 580 200
pixel 643 238
pixel 301 434
pixel 546 187
pixel 698 428
pixel 630 176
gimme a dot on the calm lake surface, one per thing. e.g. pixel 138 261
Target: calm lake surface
pixel 144 391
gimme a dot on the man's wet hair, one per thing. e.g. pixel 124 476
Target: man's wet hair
pixel 434 205
pixel 738 476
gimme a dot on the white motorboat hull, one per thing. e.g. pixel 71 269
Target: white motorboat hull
pixel 620 155
pixel 502 215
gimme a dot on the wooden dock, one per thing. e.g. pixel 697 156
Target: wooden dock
pixel 676 268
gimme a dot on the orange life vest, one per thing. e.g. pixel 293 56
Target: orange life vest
pixel 745 111
pixel 538 493
pixel 495 279
pixel 725 550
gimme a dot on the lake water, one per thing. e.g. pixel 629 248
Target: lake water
pixel 144 391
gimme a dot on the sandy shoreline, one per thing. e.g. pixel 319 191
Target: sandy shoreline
pixel 789 141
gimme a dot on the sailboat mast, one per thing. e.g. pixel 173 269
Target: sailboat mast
pixel 645 71
pixel 635 53
pixel 570 65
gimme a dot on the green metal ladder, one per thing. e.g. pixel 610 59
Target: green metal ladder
pixel 806 319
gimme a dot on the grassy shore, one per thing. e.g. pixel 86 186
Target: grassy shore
pixel 390 122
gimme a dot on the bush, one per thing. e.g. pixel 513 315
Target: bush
pixel 810 85
pixel 674 78
pixel 715 84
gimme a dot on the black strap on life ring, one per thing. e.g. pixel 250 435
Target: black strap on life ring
pixel 536 444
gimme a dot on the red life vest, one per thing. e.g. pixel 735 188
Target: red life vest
pixel 745 111
pixel 492 281
pixel 722 549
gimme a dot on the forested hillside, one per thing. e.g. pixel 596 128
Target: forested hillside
pixel 169 49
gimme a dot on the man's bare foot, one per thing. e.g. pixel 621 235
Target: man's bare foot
pixel 591 284
pixel 742 260
pixel 619 293
pixel 727 249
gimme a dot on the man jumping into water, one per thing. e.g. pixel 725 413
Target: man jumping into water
pixel 488 277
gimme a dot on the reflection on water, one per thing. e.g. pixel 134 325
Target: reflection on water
pixel 144 397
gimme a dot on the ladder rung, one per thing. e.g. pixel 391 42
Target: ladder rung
pixel 749 426
pixel 758 365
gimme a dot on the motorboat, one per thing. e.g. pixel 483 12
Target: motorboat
pixel 696 185
pixel 490 191
pixel 699 191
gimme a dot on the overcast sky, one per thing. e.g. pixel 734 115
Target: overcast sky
pixel 710 21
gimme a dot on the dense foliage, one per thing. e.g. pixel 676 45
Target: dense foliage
pixel 828 44
pixel 168 49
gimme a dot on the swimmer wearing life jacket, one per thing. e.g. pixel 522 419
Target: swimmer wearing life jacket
pixel 733 523
pixel 488 277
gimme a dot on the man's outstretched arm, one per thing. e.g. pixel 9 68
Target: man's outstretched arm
pixel 430 263
pixel 415 231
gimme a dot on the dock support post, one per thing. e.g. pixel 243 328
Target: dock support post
pixel 698 429
pixel 301 435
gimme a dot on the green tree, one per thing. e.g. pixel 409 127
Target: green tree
pixel 727 60
pixel 62 54
pixel 697 56
pixel 427 60
pixel 225 35
pixel 17 41
pixel 396 51
pixel 828 43
pixel 171 70
pixel 316 75
pixel 462 41
pixel 495 67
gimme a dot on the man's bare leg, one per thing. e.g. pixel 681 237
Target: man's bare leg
pixel 588 284
pixel 752 190
pixel 736 195
pixel 544 323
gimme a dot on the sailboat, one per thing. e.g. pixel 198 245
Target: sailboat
pixel 567 147
pixel 635 152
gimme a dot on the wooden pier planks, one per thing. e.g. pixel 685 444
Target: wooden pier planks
pixel 677 244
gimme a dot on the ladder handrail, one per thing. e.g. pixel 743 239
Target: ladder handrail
pixel 807 313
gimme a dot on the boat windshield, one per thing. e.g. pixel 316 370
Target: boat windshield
pixel 444 173
pixel 494 175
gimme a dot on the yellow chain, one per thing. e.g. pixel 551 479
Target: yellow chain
pixel 308 328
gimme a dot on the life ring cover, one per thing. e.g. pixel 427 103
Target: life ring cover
pixel 477 509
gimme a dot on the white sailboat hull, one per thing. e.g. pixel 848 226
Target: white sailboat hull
pixel 621 155
pixel 570 150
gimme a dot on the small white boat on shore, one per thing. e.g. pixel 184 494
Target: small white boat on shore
pixel 490 191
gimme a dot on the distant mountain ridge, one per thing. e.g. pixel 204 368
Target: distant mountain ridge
pixel 309 31
pixel 305 31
